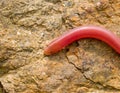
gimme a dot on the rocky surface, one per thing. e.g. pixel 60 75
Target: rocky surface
pixel 85 66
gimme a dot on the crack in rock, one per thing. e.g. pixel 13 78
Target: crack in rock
pixel 87 78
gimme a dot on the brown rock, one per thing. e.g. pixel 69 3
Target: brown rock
pixel 85 66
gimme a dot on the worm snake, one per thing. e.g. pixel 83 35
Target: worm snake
pixel 83 32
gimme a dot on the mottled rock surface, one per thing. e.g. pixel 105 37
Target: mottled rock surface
pixel 85 66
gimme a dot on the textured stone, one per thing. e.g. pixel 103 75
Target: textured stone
pixel 85 66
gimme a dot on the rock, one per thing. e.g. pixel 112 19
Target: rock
pixel 85 66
